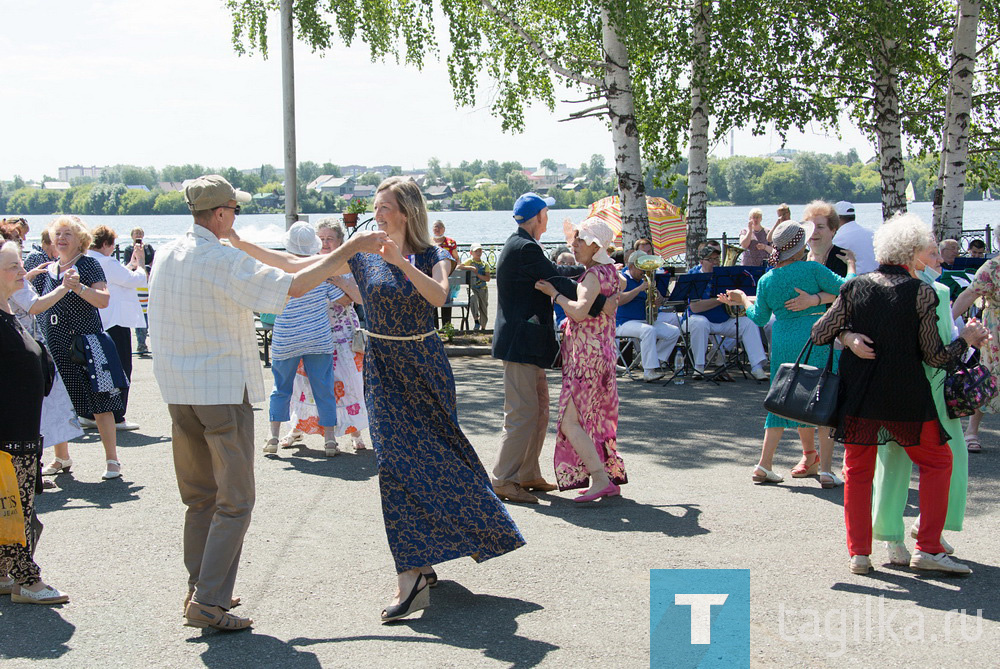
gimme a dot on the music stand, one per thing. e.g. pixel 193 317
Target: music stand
pixel 738 277
pixel 688 287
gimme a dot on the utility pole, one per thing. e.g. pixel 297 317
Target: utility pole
pixel 288 108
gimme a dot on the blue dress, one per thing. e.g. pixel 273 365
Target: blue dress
pixel 791 329
pixel 437 500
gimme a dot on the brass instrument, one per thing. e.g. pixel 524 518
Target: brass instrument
pixel 732 252
pixel 649 264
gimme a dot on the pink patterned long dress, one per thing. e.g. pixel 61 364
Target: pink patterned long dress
pixel 589 381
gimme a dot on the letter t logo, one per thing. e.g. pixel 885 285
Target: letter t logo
pixel 701 614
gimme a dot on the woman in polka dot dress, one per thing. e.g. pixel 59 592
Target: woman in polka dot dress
pixel 74 314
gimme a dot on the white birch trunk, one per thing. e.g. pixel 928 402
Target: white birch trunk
pixel 888 131
pixel 938 195
pixel 697 204
pixel 625 134
pixel 963 60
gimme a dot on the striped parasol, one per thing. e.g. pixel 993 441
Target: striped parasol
pixel 666 224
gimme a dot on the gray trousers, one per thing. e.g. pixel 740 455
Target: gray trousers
pixel 213 459
pixel 525 422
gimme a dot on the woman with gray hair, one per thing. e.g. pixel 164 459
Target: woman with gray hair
pixel 886 319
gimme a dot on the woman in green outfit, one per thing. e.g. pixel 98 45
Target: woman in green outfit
pixel 792 279
pixel 893 468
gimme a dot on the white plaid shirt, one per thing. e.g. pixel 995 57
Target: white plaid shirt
pixel 202 295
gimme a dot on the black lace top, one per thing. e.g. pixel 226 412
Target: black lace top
pixel 888 398
pixel 24 371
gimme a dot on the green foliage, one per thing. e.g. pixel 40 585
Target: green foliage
pixel 137 202
pixel 33 201
pixel 170 203
pixel 357 205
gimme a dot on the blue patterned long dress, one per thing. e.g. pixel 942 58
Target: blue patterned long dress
pixel 437 500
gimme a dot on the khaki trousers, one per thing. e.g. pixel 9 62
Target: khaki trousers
pixel 525 422
pixel 213 459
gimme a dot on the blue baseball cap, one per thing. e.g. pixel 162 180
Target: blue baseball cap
pixel 529 205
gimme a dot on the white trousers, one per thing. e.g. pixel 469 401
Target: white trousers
pixel 701 328
pixel 655 341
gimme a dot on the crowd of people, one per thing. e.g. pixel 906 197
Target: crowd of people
pixel 870 302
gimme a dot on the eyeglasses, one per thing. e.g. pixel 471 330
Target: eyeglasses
pixel 236 209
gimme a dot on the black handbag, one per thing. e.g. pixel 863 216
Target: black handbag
pixel 804 393
pixel 78 350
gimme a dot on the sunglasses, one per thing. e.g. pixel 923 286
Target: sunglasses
pixel 236 209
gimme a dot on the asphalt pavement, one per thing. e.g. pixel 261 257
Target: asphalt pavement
pixel 316 569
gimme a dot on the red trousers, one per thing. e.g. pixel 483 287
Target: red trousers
pixel 934 460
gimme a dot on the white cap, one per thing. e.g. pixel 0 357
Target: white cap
pixel 844 209
pixel 595 231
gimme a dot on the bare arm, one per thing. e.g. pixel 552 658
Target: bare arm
pixel 283 261
pixel 352 295
pixel 964 302
pixel 630 295
pixel 434 288
pixel 746 236
pixel 316 271
pixel 47 301
pixel 586 293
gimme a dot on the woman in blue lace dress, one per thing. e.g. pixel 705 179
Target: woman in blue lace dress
pixel 793 278
pixel 437 500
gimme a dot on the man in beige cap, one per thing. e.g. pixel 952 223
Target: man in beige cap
pixel 202 295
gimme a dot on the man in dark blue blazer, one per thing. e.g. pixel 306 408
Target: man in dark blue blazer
pixel 524 338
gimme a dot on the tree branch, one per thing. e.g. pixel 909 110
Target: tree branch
pixel 537 48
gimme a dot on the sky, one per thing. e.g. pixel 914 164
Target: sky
pixel 158 83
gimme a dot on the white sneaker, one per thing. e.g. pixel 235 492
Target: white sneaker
pixel 898 553
pixel 652 375
pixel 759 373
pixel 860 564
pixel 126 426
pixel 940 562
pixel 87 423
pixel 47 595
pixel 948 548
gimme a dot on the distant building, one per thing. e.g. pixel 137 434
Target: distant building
pixel 56 185
pixel 268 200
pixel 364 192
pixel 386 170
pixel 544 178
pixel 438 192
pixel 353 170
pixel 333 185
pixel 78 171
pixel 170 186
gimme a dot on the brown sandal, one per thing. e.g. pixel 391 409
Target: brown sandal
pixel 804 468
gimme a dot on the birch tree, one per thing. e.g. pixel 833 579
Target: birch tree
pixel 949 199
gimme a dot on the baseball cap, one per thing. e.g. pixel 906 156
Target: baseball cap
pixel 301 240
pixel 476 247
pixel 844 209
pixel 528 206
pixel 211 191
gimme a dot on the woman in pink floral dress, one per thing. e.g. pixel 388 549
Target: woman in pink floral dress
pixel 588 404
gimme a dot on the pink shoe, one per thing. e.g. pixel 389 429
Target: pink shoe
pixel 613 490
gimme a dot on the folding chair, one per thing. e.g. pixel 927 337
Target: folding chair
pixel 629 356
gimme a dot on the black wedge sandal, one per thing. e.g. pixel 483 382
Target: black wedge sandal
pixel 418 599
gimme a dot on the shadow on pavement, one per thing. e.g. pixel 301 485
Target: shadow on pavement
pixel 933 590
pixel 74 494
pixel 39 633
pixel 620 514
pixel 463 619
pixel 457 617
pixel 346 466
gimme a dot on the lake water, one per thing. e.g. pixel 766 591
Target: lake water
pixel 493 227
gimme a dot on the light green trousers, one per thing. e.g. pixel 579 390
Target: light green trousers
pixel 893 468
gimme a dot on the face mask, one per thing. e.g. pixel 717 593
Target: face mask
pixel 928 274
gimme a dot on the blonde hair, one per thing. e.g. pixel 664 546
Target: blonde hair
pixel 411 203
pixel 822 208
pixel 900 238
pixel 83 235
pixel 756 213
